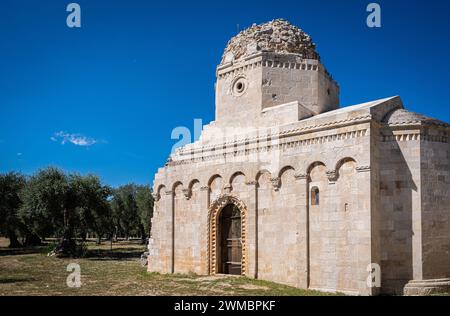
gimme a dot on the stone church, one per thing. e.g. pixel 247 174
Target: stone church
pixel 285 185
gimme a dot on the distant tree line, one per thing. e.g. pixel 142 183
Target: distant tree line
pixel 52 203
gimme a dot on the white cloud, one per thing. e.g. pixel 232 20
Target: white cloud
pixel 75 139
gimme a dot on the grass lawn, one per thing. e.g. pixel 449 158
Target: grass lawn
pixel 116 272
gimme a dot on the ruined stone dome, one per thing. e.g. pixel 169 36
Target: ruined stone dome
pixel 278 36
pixel 402 116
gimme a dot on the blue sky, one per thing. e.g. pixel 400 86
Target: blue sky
pixel 105 98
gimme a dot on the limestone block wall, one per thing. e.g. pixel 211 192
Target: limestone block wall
pixel 414 202
pixel 287 240
pixel 267 80
pixel 328 90
pixel 239 109
pixel 189 218
pixel 287 79
pixel 278 229
pixel 340 229
pixel 280 86
pixel 400 209
pixel 435 183
pixel 160 244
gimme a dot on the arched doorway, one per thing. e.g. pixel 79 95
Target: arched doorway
pixel 230 241
pixel 227 246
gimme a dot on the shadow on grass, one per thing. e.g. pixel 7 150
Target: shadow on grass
pixel 115 254
pixel 119 253
pixel 15 280
pixel 22 251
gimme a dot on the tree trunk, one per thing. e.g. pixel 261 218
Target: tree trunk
pixel 67 245
pixel 84 236
pixel 32 240
pixel 13 241
pixel 99 239
pixel 143 234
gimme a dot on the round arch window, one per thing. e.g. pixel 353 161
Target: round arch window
pixel 239 86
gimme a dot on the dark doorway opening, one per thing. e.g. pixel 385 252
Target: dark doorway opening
pixel 230 247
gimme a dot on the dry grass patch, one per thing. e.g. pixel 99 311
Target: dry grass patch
pixel 116 272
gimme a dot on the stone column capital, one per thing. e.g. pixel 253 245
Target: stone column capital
pixel 227 188
pixel 187 193
pixel 332 176
pixel 276 183
pixel 156 196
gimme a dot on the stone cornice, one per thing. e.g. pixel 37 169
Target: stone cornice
pixel 417 136
pixel 282 134
pixel 261 60
pixel 224 72
pixel 417 123
pixel 262 144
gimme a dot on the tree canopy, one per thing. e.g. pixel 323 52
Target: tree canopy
pixel 10 225
pixel 52 203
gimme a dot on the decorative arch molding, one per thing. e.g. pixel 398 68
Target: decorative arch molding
pixel 342 161
pixel 284 169
pixel 312 165
pixel 188 191
pixel 333 175
pixel 212 178
pixel 276 182
pixel 210 182
pixel 260 174
pixel 213 219
pixel 176 185
pixel 157 193
pixel 233 176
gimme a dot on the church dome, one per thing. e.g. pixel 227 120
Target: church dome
pixel 278 36
pixel 402 116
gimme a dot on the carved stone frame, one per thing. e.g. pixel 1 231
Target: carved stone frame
pixel 213 219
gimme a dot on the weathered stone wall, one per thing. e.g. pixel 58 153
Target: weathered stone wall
pixel 328 91
pixel 382 175
pixel 278 209
pixel 278 229
pixel 268 80
pixel 340 229
pixel 189 218
pixel 435 184
pixel 414 197
pixel 237 109
pixel 160 246
pixel 288 78
pixel 400 208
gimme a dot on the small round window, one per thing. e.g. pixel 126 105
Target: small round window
pixel 239 86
